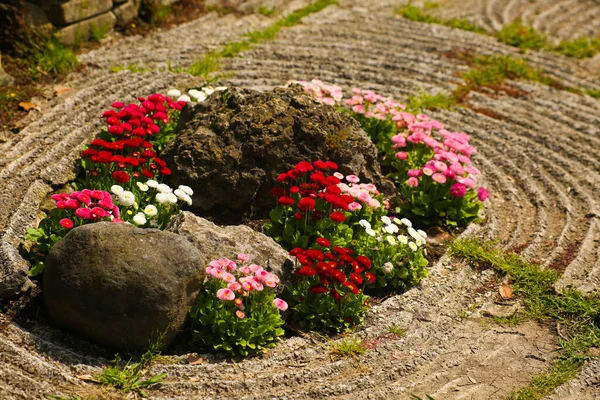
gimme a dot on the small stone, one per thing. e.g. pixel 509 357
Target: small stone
pixel 437 236
pixel 500 310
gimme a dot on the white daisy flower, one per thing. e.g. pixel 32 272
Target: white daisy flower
pixel 198 95
pixel 402 239
pixel 388 267
pixel 386 220
pixel 126 198
pixel 420 242
pixel 162 198
pixel 188 190
pixel 180 194
pixel 188 200
pixel 220 88
pixel 412 232
pixel 391 229
pixel 397 221
pixel 208 90
pixel 370 232
pixel 391 240
pixel 139 219
pixel 184 97
pixel 150 210
pixel 173 93
pixel 164 188
pixel 364 223
pixel 116 189
pixel 412 246
pixel 172 198
pixel 142 186
pixel 422 233
pixel 152 183
pixel 406 222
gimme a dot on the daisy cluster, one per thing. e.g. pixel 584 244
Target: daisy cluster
pixel 242 281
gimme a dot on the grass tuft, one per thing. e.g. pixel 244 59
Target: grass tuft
pixel 266 11
pixel 128 377
pixel 595 93
pixel 464 24
pixel 398 331
pixel 209 63
pixel 417 14
pixel 206 65
pixel 541 385
pixel 579 48
pixel 578 314
pixel 135 68
pixel 350 347
pixel 55 58
pixel 524 37
pixel 425 101
pixel 97 33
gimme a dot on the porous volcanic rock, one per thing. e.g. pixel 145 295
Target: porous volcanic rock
pixel 120 285
pixel 215 242
pixel 232 147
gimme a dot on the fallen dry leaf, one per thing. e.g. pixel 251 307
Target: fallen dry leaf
pixel 506 291
pixel 87 378
pixel 58 90
pixel 194 360
pixel 26 105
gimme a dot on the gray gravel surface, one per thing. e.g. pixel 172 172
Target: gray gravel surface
pixel 538 151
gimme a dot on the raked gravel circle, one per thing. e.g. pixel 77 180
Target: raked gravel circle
pixel 538 152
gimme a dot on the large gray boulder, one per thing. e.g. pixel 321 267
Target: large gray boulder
pixel 231 147
pixel 215 242
pixel 119 285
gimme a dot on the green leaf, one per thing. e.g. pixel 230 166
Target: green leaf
pixel 37 269
pixel 303 241
pixel 276 214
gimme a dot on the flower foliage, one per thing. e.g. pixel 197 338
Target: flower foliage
pixel 124 155
pixel 323 93
pixel 327 290
pixel 396 250
pixel 72 210
pixel 314 202
pixel 434 172
pixel 431 166
pixel 126 149
pixel 237 311
pixel 151 204
pixel 377 115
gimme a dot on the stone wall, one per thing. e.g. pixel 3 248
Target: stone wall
pixel 76 21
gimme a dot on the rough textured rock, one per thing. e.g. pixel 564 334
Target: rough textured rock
pixel 13 268
pixel 67 12
pixel 5 79
pixel 232 147
pixel 215 241
pixel 80 31
pixel 126 12
pixel 120 285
